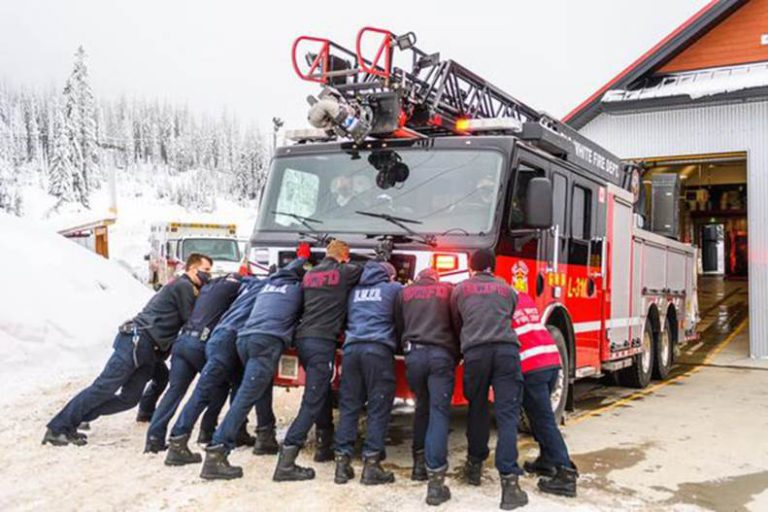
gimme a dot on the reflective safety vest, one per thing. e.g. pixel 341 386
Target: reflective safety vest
pixel 538 350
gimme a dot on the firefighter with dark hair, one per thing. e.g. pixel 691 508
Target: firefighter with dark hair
pixel 136 351
pixel 541 365
pixel 268 331
pixel 368 379
pixel 188 353
pixel 482 308
pixel 223 371
pixel 431 352
pixel 326 288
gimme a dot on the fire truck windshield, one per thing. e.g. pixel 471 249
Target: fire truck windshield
pixel 444 191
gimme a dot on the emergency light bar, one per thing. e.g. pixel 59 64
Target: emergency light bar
pixel 496 124
pixel 308 134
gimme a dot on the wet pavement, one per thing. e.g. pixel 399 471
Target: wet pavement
pixel 723 307
pixel 694 442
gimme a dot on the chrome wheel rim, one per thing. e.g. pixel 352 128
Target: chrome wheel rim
pixel 647 347
pixel 557 393
pixel 664 346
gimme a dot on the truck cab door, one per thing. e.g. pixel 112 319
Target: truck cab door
pixel 531 253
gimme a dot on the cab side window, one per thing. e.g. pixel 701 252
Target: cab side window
pixel 523 175
pixel 581 225
pixel 559 199
pixel 581 220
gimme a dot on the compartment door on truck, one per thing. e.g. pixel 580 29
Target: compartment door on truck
pixel 619 293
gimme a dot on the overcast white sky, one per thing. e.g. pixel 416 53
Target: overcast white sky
pixel 236 54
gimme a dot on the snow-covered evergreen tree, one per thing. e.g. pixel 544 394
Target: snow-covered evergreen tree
pixel 80 117
pixel 61 170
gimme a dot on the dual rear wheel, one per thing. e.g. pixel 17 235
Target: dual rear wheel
pixel 655 360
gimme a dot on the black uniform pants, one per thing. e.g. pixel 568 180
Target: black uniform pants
pixel 497 366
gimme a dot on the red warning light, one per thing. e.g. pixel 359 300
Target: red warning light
pixel 445 262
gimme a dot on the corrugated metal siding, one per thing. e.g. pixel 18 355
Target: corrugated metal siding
pixel 713 129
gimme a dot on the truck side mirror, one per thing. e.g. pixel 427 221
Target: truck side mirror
pixel 538 203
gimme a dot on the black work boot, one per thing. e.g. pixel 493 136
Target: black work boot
pixel 79 435
pixel 143 416
pixel 204 437
pixel 287 470
pixel 512 496
pixel 266 441
pixel 216 465
pixel 373 473
pixel 155 445
pixel 179 453
pixel 62 439
pixel 562 484
pixel 473 472
pixel 344 471
pixel 419 471
pixel 244 438
pixel 324 445
pixel 539 467
pixel 437 491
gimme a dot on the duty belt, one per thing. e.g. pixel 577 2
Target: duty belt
pixel 201 335
pixel 408 346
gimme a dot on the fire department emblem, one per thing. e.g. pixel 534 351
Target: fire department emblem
pixel 520 277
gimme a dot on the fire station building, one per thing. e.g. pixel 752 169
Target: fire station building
pixel 695 109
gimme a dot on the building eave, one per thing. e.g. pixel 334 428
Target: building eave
pixel 677 41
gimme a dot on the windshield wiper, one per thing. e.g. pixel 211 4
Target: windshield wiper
pixel 402 224
pixel 305 221
pixel 319 237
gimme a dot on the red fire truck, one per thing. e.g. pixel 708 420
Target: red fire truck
pixel 426 162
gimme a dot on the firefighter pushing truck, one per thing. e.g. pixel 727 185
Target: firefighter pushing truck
pixel 427 162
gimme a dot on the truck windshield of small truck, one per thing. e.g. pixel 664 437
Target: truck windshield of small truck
pixel 217 249
pixel 444 191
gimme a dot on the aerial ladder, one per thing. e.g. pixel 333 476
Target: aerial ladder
pixel 428 96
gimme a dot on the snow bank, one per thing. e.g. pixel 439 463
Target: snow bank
pixel 60 305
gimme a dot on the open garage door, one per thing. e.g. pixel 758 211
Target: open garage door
pixel 712 215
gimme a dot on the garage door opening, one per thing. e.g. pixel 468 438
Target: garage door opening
pixel 712 215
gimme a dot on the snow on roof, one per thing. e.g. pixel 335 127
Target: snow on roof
pixel 696 84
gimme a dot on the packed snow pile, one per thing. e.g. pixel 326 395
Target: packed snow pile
pixel 61 305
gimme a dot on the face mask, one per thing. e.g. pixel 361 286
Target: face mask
pixel 204 277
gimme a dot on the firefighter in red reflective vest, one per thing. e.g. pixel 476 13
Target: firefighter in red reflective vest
pixel 540 361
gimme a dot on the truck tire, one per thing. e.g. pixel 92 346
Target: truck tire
pixel 663 348
pixel 559 395
pixel 639 374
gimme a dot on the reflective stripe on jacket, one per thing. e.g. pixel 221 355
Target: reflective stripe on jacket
pixel 538 350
